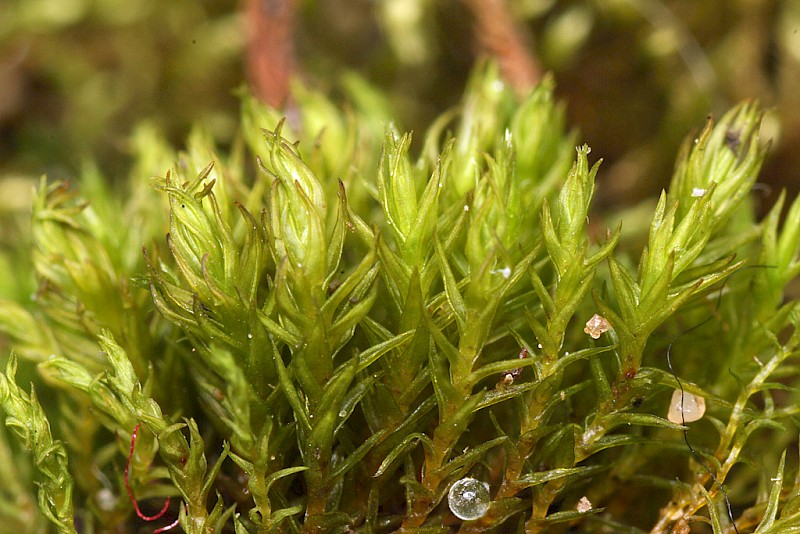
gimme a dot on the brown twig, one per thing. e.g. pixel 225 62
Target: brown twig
pixel 270 60
pixel 500 37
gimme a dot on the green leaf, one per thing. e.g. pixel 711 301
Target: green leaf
pixel 454 297
pixel 616 440
pixel 26 419
pixel 642 419
pixel 456 467
pixel 600 380
pixel 403 448
pixel 357 455
pixel 272 478
pixel 626 291
pixel 497 368
pixel 396 184
pixel 774 500
pixel 540 477
pixel 713 512
pixel 285 381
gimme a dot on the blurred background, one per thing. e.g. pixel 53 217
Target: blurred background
pixel 78 76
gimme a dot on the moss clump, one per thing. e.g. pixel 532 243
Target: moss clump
pixel 334 332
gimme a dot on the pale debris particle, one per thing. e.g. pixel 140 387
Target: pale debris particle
pixel 584 505
pixel 698 192
pixel 510 376
pixel 505 272
pixel 685 407
pixel 596 326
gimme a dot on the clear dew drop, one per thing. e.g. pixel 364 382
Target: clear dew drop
pixel 469 498
pixel 690 409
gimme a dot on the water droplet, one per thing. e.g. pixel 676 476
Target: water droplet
pixel 342 413
pixel 469 498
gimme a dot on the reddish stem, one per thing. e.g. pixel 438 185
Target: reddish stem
pixel 500 36
pixel 168 527
pixel 270 58
pixel 130 491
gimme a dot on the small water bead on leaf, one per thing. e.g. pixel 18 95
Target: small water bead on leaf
pixel 596 326
pixel 469 498
pixel 685 407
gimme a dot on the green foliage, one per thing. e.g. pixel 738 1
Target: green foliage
pixel 25 417
pixel 326 331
